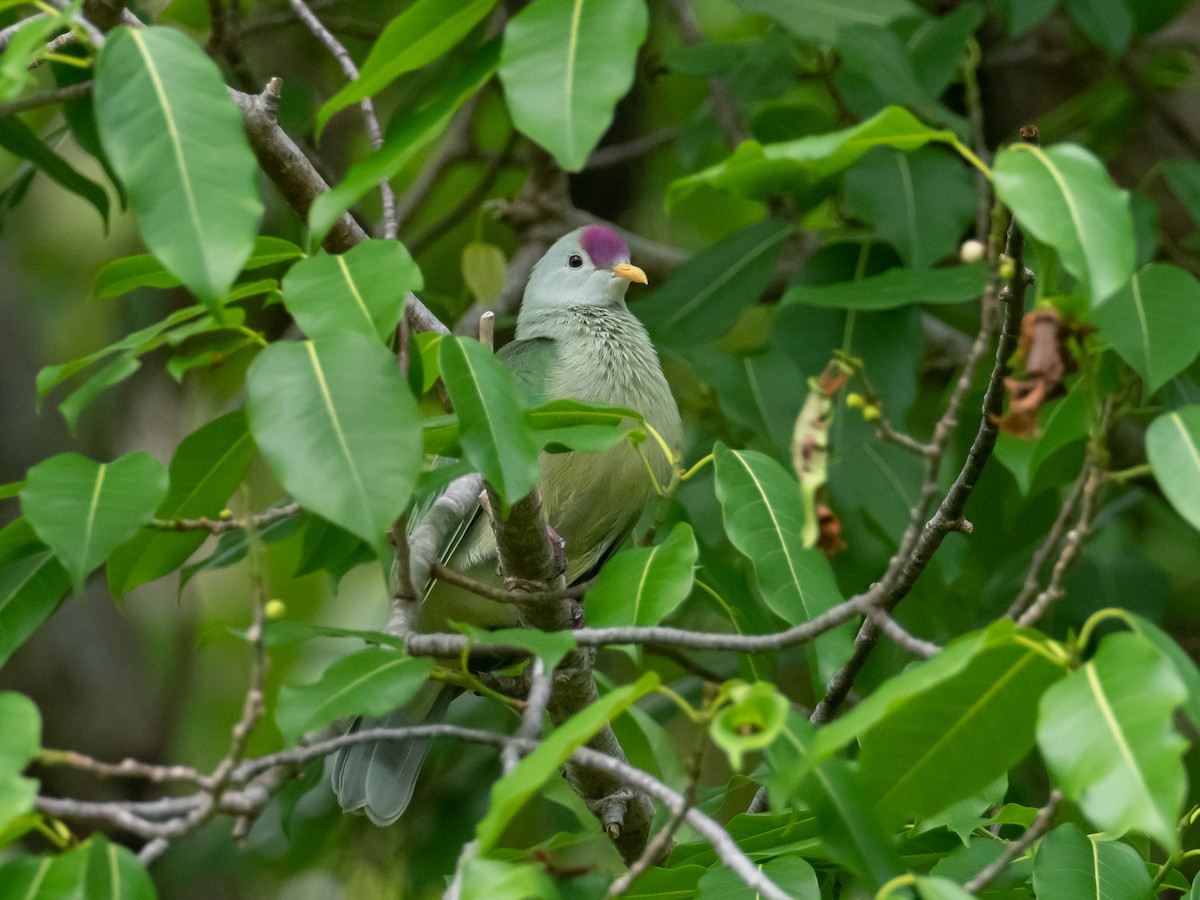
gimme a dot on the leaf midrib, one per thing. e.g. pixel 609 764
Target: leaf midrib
pixel 777 532
pixel 327 398
pixel 957 726
pixel 172 134
pixel 569 95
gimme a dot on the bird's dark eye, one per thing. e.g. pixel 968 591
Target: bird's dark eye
pixel 575 261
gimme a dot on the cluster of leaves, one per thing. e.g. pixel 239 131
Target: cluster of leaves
pixel 860 137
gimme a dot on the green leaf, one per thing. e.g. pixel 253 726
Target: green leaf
pixel 894 288
pixel 944 729
pixel 408 132
pixel 1153 321
pixel 548 646
pixel 707 294
pixel 1021 15
pixel 576 425
pixel 940 889
pixel 920 202
pixel 937 46
pixel 288 632
pixel 644 585
pixel 493 879
pixel 1173 449
pixel 1152 15
pixel 26 45
pixel 759 171
pixel 83 509
pixel 109 375
pixel 1061 422
pixel 752 720
pixel 759 836
pixel 764 516
pixel 1107 735
pixel 137 343
pixel 413 39
pixel 207 468
pixel 232 546
pixel 32 585
pixel 175 137
pixel 491 416
pixel 675 883
pixel 512 791
pixel 792 874
pixel 1183 178
pixel 1072 866
pixel 19 139
pixel 338 406
pixel 484 268
pixel 877 69
pixel 93 870
pixel 370 682
pixel 23 876
pixel 1108 25
pixel 328 548
pixel 20 738
pixel 114 872
pixel 120 276
pixel 1185 667
pixel 847 819
pixel 564 66
pixel 820 21
pixel 1063 196
pixel 361 290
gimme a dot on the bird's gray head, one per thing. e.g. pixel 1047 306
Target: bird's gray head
pixel 588 267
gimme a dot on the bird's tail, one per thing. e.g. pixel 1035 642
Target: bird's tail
pixel 376 778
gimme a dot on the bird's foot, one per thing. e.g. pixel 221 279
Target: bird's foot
pixel 558 548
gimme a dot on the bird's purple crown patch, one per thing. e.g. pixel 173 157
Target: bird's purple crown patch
pixel 604 246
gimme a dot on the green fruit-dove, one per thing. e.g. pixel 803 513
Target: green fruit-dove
pixel 577 340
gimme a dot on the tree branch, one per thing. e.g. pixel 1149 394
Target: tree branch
pixel 1039 826
pixel 374 132
pixel 921 541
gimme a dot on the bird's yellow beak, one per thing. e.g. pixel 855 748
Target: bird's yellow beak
pixel 630 271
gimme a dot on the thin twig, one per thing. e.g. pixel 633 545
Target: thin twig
pixel 1039 826
pixel 387 196
pixel 223 40
pixel 1041 556
pixel 127 768
pixel 455 145
pixel 70 92
pixel 8 32
pixel 536 701
pixel 889 433
pixel 221 526
pixel 724 106
pixel 614 154
pixel 1071 547
pixel 470 201
pixel 655 851
pixel 455 644
pixel 660 846
pixel 444 573
pixel 894 630
pixel 924 536
pixel 253 704
pixel 727 850
pixel 418 552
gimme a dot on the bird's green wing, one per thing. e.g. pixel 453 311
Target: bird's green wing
pixel 530 362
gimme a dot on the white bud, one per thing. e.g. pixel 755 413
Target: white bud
pixel 972 251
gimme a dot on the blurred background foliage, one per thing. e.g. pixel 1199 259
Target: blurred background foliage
pixel 160 676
